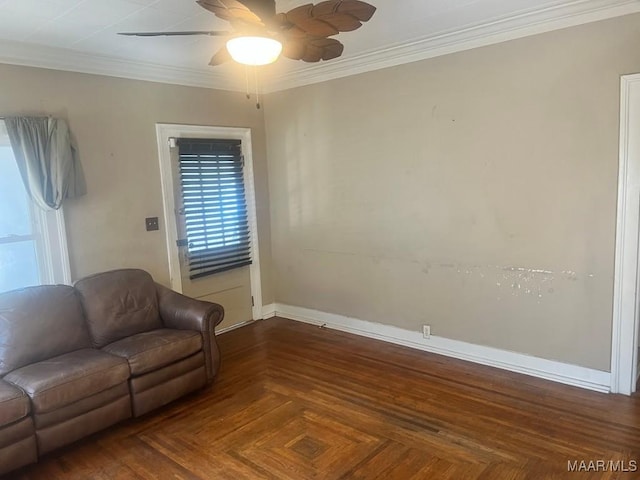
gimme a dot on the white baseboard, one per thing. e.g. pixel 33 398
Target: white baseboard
pixel 233 327
pixel 516 362
pixel 268 311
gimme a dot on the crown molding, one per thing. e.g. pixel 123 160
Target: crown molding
pixel 509 28
pixel 32 55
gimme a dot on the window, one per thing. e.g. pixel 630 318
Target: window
pixel 18 258
pixel 214 205
pixel 33 247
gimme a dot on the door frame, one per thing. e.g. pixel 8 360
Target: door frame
pixel 626 293
pixel 164 133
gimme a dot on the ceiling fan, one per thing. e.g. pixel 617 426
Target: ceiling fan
pixel 260 34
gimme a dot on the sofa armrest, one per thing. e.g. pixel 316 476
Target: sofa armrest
pixel 185 313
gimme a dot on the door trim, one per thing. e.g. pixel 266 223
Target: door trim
pixel 626 285
pixel 164 132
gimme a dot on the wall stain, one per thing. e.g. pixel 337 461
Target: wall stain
pixel 511 280
pixel 519 281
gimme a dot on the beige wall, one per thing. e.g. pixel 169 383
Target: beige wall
pixel 474 192
pixel 114 123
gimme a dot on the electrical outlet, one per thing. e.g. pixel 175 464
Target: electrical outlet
pixel 426 331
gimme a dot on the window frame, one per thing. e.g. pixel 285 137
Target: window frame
pixel 52 246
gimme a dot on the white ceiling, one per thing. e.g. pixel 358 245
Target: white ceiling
pixel 81 35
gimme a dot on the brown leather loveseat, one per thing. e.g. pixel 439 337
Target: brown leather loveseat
pixel 75 360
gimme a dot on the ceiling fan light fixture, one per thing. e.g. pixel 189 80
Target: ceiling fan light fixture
pixel 254 50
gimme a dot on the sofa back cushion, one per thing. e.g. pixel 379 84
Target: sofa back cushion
pixel 38 323
pixel 118 304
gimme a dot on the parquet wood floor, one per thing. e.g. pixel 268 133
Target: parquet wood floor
pixel 294 401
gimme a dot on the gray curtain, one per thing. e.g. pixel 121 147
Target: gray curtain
pixel 47 159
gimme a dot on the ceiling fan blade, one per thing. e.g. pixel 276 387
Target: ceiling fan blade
pixel 337 14
pixel 360 10
pixel 221 56
pixel 265 9
pixel 230 10
pixel 287 28
pixel 331 48
pixel 302 17
pixel 342 22
pixel 294 49
pixel 312 54
pixel 211 33
pixel 312 49
pixel 327 18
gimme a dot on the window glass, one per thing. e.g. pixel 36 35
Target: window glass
pixel 214 205
pixel 18 259
pixel 18 265
pixel 15 218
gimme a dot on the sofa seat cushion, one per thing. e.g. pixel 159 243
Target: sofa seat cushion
pixel 68 378
pixel 14 404
pixel 155 349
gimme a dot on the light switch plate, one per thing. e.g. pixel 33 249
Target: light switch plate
pixel 152 224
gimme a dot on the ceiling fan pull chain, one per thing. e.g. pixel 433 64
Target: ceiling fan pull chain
pixel 246 78
pixel 256 79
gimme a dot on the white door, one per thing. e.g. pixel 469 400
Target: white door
pixel 212 224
